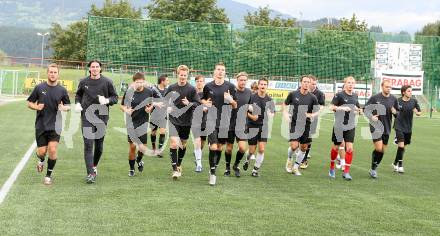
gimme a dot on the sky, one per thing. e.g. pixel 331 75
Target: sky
pixel 392 15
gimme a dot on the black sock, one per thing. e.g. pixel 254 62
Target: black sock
pixel 139 157
pixel 153 141
pixel 399 156
pixel 131 163
pixel 173 155
pixel 380 156
pixel 306 155
pixel 238 158
pixel 374 160
pixel 212 160
pixel 161 140
pixel 228 157
pixel 50 165
pixel 181 154
pixel 218 156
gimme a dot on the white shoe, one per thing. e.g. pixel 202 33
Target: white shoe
pixel 395 167
pixel 175 175
pixel 40 166
pixel 212 179
pixel 400 170
pixel 295 171
pixel 289 165
pixel 179 171
pixel 47 180
pixel 252 157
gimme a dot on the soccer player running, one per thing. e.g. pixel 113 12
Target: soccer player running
pixel 94 95
pixel 380 109
pixel 260 122
pixel 220 94
pixel 137 104
pixel 345 104
pixel 321 100
pixel 199 140
pixel 243 95
pixel 158 118
pixel 47 99
pixel 304 107
pixel 403 124
pixel 184 99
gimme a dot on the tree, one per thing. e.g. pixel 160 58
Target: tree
pixel 70 43
pixel 187 10
pixel 376 29
pixel 262 18
pixel 352 24
pixel 431 29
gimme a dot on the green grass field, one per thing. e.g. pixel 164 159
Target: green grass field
pixel 276 203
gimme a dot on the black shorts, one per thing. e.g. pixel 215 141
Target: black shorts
pixel 155 124
pixel 347 135
pixel 304 138
pixel 384 138
pixel 403 137
pixel 213 138
pixel 44 137
pixel 259 137
pixel 181 131
pixel 232 137
pixel 140 138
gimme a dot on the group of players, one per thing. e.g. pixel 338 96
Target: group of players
pixel 219 112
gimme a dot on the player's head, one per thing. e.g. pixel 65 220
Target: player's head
pixel 386 87
pixel 313 82
pixel 241 78
pixel 349 83
pixel 254 86
pixel 219 70
pixel 406 91
pixel 200 82
pixel 53 72
pixel 305 82
pixel 94 67
pixel 139 80
pixel 163 79
pixel 262 85
pixel 182 73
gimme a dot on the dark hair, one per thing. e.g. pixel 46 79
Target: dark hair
pixel 162 78
pixel 138 75
pixel 199 77
pixel 404 88
pixel 93 61
pixel 263 79
pixel 304 76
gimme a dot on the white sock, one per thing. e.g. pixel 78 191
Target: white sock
pixel 299 158
pixel 342 162
pixel 198 154
pixel 259 160
pixel 289 153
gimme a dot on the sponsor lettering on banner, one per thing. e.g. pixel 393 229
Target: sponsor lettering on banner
pixel 30 83
pixel 364 91
pixel 400 78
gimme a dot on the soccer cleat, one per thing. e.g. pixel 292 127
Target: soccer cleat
pixel 179 171
pixel 331 173
pixel 91 178
pixel 198 169
pixel 40 166
pixel 295 171
pixel 304 165
pixel 175 175
pixel 289 165
pixel 236 171
pixel 401 170
pixel 140 166
pixel 47 180
pixel 246 165
pixel 255 173
pixel 373 174
pixel 130 173
pixel 346 176
pixel 212 180
pixel 227 172
pixel 395 167
pixel 95 170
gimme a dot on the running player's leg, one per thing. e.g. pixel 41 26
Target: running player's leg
pixel 259 158
pixel 131 157
pixel 52 151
